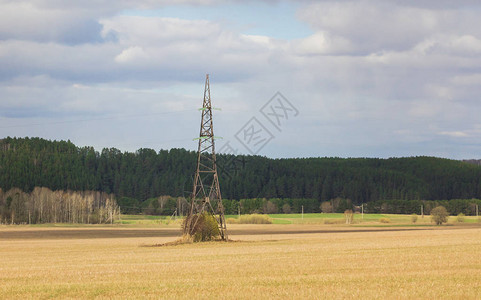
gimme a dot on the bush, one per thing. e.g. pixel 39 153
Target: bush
pixel 94 218
pixel 326 207
pixel 270 208
pixel 205 227
pixel 414 218
pixel 439 215
pixel 255 219
pixel 286 208
pixel 460 218
pixel 341 204
pixel 384 220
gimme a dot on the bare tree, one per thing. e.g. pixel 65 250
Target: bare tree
pixel 43 206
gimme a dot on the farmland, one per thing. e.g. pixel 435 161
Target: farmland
pixel 310 218
pixel 266 261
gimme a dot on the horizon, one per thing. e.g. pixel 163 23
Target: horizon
pixel 99 150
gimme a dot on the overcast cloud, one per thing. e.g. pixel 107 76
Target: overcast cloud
pixel 369 78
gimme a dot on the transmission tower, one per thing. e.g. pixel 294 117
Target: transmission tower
pixel 206 196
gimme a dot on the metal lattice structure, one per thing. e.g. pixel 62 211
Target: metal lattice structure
pixel 206 196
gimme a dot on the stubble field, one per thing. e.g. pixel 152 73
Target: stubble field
pixel 266 261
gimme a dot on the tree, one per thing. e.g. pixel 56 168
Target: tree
pixel 344 204
pixel 439 215
pixel 326 189
pixel 286 208
pixel 270 208
pixel 326 207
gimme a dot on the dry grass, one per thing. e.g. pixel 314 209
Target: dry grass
pixel 438 263
pixel 334 221
pixel 250 219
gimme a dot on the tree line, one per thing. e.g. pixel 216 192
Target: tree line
pixel 43 205
pixel 467 207
pixel 26 163
pixel 166 205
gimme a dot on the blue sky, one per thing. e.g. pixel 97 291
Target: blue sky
pixel 369 78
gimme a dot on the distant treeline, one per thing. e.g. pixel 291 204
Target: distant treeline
pixel 453 206
pixel 45 206
pixel 146 174
pixel 339 205
pixel 166 205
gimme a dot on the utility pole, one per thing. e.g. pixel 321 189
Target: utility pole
pixel 422 211
pixel 206 196
pixel 477 210
pixel 362 211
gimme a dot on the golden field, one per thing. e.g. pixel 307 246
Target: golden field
pixel 266 262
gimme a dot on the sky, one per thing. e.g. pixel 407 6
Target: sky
pixel 367 78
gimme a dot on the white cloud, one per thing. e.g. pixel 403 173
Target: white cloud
pixel 455 134
pixel 322 43
pixel 466 45
pixel 132 55
pixel 442 44
pixel 381 25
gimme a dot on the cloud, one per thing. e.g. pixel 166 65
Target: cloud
pixel 455 134
pixel 86 62
pixel 68 22
pixel 156 30
pixel 383 26
pixel 322 43
pixel 375 78
pixel 437 5
pixel 156 48
pixel 455 45
pixel 131 55
pixel 25 21
pixel 467 80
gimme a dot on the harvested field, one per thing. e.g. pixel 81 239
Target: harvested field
pixel 246 231
pixel 270 261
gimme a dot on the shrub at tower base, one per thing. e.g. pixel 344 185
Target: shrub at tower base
pixel 205 227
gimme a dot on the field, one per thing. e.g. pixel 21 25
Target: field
pixel 266 261
pixel 311 218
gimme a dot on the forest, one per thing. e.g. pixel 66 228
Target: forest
pixel 138 179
